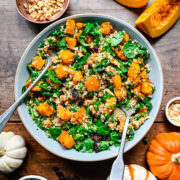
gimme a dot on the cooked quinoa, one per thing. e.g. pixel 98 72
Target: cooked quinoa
pixel 95 70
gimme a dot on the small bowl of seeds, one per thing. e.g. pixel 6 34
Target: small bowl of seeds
pixel 173 111
pixel 42 11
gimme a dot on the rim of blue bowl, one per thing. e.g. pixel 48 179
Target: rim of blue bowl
pixel 80 16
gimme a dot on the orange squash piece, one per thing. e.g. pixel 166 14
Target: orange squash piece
pixel 121 94
pixel 79 25
pixel 78 34
pixel 45 109
pixel 120 54
pixel 38 63
pixel 117 81
pixel 126 38
pixel 61 71
pixel 64 113
pixel 66 140
pixel 133 3
pixel 71 42
pixel 159 17
pixel 78 77
pixel 110 105
pixel 137 91
pixel 144 75
pixel 79 115
pixel 67 56
pixel 134 70
pixel 163 156
pixel 92 83
pixel 146 88
pixel 70 27
pixel 105 28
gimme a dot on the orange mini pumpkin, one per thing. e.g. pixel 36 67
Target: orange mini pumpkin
pixel 163 156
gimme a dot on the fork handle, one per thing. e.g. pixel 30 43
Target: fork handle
pixel 117 171
pixel 9 112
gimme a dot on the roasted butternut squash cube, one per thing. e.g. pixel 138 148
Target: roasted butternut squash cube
pixel 146 88
pixel 110 105
pixel 78 77
pixel 92 83
pixel 137 91
pixel 67 56
pixel 80 113
pixel 126 38
pixel 120 54
pixel 38 63
pixel 78 34
pixel 105 28
pixel 117 81
pixel 64 113
pixel 71 42
pixel 45 109
pixel 121 94
pixel 66 140
pixel 134 70
pixel 70 26
pixel 143 110
pixel 79 25
pixel 144 75
pixel 61 71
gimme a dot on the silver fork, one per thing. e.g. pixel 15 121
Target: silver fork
pixel 8 113
pixel 117 171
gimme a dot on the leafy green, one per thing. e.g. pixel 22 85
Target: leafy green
pixel 111 73
pixel 117 38
pixel 101 128
pixel 115 137
pixel 53 77
pixel 85 146
pixel 109 50
pixel 62 44
pixel 106 96
pixel 132 49
pixel 96 104
pixel 147 104
pixel 42 45
pixel 78 132
pixel 130 136
pixel 54 132
pixel 33 72
pixel 104 145
pixel 140 115
pixel 87 110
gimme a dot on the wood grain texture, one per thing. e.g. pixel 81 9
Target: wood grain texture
pixel 15 35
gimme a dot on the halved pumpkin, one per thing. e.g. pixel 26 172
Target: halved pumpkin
pixel 159 17
pixel 133 3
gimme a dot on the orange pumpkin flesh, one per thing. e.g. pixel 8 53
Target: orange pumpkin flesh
pixel 159 17
pixel 163 156
pixel 133 3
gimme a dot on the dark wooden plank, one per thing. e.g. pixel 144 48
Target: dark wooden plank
pixel 40 162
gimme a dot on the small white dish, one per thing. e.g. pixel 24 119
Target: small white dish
pixel 166 111
pixel 32 177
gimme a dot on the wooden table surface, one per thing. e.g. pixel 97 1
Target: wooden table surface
pixel 16 33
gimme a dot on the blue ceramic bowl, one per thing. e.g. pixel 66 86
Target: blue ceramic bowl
pixel 22 75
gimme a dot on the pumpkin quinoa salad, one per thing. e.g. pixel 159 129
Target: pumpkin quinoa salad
pixel 95 71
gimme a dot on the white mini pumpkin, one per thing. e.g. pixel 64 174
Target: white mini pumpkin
pixel 138 172
pixel 12 151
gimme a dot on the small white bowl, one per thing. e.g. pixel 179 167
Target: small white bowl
pixel 166 110
pixel 32 177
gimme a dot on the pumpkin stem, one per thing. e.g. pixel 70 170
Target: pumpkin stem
pixel 176 158
pixel 2 153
